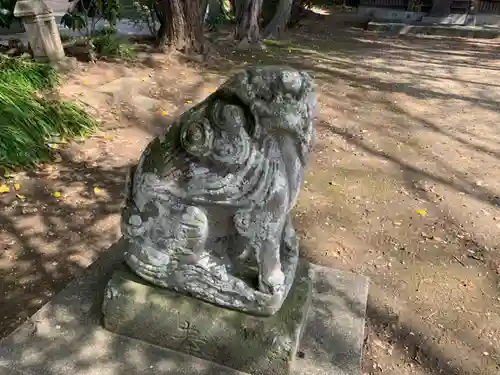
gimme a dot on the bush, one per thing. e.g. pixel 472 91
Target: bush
pixel 28 120
pixel 7 13
pixel 108 43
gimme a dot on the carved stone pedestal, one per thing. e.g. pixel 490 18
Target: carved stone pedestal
pixel 41 28
pixel 254 345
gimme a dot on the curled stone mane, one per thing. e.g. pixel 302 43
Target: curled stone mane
pixel 208 204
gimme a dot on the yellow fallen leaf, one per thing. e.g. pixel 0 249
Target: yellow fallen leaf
pixel 188 102
pixel 97 190
pixel 56 194
pixel 108 137
pixel 164 113
pixel 85 82
pixel 4 189
pixel 422 212
pixel 53 146
pixel 17 186
pixel 20 196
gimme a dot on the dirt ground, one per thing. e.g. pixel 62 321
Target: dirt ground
pixel 404 185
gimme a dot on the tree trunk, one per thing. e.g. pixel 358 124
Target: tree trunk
pixel 247 29
pixel 278 23
pixel 441 8
pixel 181 26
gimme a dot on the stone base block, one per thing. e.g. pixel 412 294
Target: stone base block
pixel 256 345
pixel 66 335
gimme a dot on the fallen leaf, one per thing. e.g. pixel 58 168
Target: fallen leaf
pixel 164 113
pixel 56 194
pixel 20 196
pixel 17 186
pixel 188 102
pixel 97 190
pixel 85 82
pixel 4 189
pixel 422 212
pixel 53 146
pixel 57 159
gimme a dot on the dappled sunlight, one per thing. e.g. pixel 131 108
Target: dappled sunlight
pixel 421 115
pixel 403 186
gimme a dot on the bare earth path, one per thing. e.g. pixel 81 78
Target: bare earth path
pixel 404 186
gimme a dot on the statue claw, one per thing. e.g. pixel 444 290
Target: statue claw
pixel 273 283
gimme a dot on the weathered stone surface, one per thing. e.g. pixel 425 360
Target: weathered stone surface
pixel 208 204
pixel 257 345
pixel 41 27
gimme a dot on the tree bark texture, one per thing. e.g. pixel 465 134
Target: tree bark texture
pixel 181 26
pixel 247 29
pixel 280 20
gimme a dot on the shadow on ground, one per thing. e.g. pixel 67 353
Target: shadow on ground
pixel 419 117
pixel 404 188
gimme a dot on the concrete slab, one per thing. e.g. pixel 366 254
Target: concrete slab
pixel 464 19
pixel 332 343
pixel 441 30
pixel 66 336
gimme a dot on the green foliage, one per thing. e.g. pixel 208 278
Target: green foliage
pixel 85 16
pixel 108 43
pixel 7 13
pixel 143 15
pixel 27 119
pixel 219 13
pixel 74 21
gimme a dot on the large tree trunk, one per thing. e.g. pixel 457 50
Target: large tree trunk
pixel 247 29
pixel 441 8
pixel 181 26
pixel 278 23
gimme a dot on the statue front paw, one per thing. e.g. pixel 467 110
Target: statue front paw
pixel 273 282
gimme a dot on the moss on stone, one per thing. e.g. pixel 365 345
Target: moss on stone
pixel 256 345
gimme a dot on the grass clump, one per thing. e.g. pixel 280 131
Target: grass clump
pixel 28 120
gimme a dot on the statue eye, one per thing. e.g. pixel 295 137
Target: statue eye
pixel 233 114
pixel 230 114
pixel 227 117
pixel 197 138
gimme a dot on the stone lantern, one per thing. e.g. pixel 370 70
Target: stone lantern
pixel 41 29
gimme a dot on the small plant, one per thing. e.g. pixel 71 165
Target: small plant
pixel 108 43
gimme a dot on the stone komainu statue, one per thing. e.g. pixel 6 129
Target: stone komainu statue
pixel 208 205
